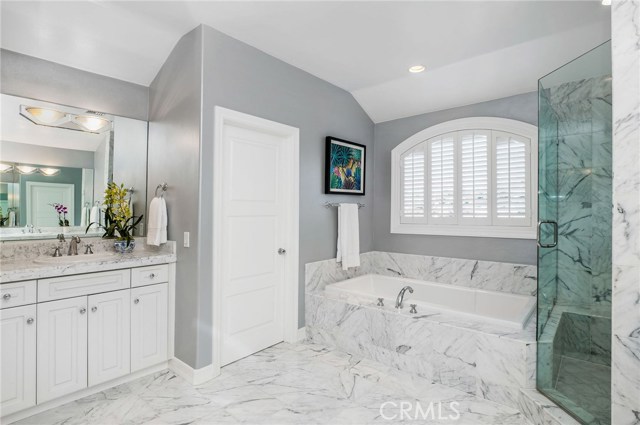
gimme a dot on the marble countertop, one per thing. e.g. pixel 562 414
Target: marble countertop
pixel 18 269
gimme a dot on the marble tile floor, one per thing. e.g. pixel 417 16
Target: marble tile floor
pixel 284 384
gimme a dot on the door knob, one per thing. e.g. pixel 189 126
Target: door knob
pixel 29 320
pixel 94 309
pixel 6 297
pixel 282 251
pixel 83 310
pixel 136 301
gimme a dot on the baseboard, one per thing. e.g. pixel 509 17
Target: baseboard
pixel 302 334
pixel 191 375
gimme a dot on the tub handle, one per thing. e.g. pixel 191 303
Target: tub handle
pixel 413 308
pixel 380 302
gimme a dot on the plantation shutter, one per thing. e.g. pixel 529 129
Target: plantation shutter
pixel 412 180
pixel 511 179
pixel 474 177
pixel 442 179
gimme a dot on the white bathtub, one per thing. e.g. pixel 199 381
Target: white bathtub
pixel 498 307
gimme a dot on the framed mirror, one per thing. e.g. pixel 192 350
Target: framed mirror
pixel 55 163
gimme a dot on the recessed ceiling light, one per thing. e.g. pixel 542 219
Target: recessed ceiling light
pixel 417 68
pixel 606 2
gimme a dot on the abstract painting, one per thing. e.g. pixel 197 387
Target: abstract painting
pixel 344 167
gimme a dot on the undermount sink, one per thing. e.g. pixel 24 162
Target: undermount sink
pixel 74 259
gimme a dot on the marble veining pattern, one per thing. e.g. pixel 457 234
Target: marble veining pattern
pixel 17 258
pixel 626 221
pixel 284 384
pixel 493 276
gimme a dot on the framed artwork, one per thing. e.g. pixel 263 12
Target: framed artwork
pixel 344 167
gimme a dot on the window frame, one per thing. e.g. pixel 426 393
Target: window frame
pixel 491 125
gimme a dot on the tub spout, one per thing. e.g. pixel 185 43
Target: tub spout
pixel 400 296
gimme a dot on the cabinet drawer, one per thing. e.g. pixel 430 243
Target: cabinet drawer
pixel 149 275
pixel 18 293
pixel 82 284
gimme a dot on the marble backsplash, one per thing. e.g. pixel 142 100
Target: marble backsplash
pixel 487 275
pixel 25 250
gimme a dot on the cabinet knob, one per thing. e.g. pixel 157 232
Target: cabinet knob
pixel 83 310
pixel 30 321
pixel 136 301
pixel 94 309
pixel 6 297
pixel 152 275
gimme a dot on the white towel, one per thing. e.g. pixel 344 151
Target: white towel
pixel 94 216
pixel 12 219
pixel 157 222
pixel 84 216
pixel 348 236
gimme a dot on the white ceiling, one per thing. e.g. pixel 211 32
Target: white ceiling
pixel 473 50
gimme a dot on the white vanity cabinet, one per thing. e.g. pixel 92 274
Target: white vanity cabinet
pixel 110 336
pixel 18 351
pixel 62 347
pixel 148 325
pixel 79 332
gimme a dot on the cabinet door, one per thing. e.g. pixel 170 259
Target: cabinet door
pixel 62 347
pixel 18 361
pixel 148 326
pixel 109 336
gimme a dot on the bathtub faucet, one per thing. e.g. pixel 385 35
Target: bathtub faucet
pixel 400 296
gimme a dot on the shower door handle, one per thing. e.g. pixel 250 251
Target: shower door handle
pixel 555 234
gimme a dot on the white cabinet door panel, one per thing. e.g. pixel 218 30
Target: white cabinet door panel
pixel 18 361
pixel 62 347
pixel 109 336
pixel 148 326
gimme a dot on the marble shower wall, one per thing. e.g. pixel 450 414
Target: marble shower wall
pixel 626 221
pixel 487 275
pixel 582 174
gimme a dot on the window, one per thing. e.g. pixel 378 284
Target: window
pixel 471 177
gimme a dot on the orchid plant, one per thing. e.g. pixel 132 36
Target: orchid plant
pixel 62 214
pixel 117 214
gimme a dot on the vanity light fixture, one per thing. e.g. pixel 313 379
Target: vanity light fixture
pixel 26 169
pixel 44 116
pixel 49 171
pixel 416 69
pixel 5 168
pixel 92 123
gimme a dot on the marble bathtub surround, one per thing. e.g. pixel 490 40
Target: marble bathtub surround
pixel 27 260
pixel 626 217
pixel 284 384
pixel 479 359
pixel 502 277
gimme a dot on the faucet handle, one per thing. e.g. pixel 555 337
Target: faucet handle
pixel 56 251
pixel 88 249
pixel 60 237
pixel 380 302
pixel 413 308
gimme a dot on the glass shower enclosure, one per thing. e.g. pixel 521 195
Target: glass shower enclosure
pixel 574 236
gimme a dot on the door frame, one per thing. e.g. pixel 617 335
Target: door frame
pixel 224 117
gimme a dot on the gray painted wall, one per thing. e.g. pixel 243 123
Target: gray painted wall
pixel 389 134
pixel 27 76
pixel 240 77
pixel 174 155
pixel 44 155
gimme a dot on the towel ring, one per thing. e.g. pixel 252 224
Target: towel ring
pixel 162 186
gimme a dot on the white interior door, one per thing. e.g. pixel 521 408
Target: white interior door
pixel 40 196
pixel 254 229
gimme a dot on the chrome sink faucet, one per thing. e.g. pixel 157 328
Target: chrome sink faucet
pixel 400 296
pixel 73 245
